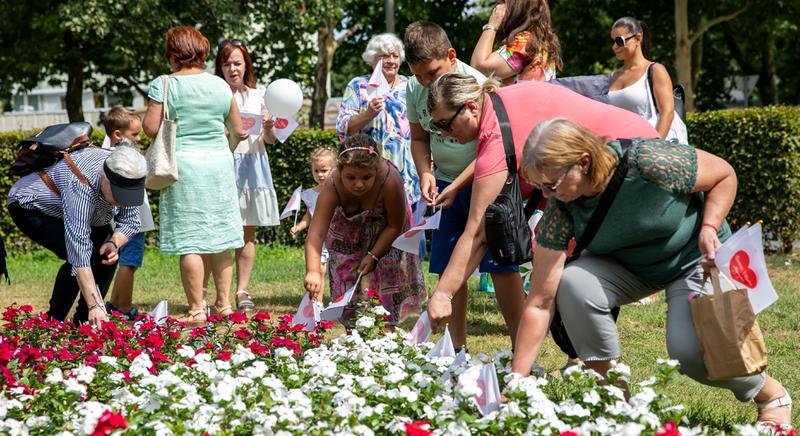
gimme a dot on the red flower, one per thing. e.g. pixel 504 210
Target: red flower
pixel 568 433
pixel 242 333
pixel 108 422
pixel 26 308
pixel 261 316
pixel 238 317
pixel 670 429
pixel 418 428
pixel 224 355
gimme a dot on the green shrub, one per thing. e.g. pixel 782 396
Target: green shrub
pixel 763 146
pixel 288 161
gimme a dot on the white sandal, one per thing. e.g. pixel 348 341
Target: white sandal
pixel 771 427
pixel 245 304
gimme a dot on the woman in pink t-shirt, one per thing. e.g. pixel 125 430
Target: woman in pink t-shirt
pixel 460 108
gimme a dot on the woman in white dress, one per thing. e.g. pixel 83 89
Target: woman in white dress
pixel 257 199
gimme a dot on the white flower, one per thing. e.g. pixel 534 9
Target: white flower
pixel 622 370
pixel 672 363
pixel 141 365
pixel 186 352
pixel 570 408
pixel 365 322
pixel 241 355
pixel 591 397
pixel 85 374
pixel 379 310
pixel 283 353
pixel 643 398
pixel 55 376
pixel 73 385
pixel 649 382
pixel 109 360
pixel 37 421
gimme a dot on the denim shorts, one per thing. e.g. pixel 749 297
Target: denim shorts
pixel 451 226
pixel 132 253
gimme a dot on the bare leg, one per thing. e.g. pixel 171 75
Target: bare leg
pixel 773 390
pixel 191 266
pixel 206 269
pixel 122 295
pixel 222 267
pixel 246 258
pixel 511 299
pixel 458 319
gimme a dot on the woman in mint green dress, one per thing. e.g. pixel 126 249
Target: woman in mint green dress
pixel 199 214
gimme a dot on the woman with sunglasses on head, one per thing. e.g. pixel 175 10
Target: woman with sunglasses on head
pixel 669 208
pixel 461 108
pixel 528 46
pixel 629 86
pixel 258 203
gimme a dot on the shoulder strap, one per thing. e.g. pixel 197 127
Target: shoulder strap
pixel 606 200
pixel 505 132
pixel 650 82
pixel 165 87
pixel 72 166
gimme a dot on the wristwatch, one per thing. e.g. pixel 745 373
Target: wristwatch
pixel 489 27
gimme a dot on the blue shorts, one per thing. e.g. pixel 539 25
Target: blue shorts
pixel 452 225
pixel 132 253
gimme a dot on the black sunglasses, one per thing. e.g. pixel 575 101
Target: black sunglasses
pixel 621 40
pixel 233 42
pixel 444 126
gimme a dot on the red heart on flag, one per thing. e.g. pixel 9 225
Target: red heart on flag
pixel 481 398
pixel 281 123
pixel 374 85
pixel 248 122
pixel 741 271
pixel 411 233
pixel 308 311
pixel 339 298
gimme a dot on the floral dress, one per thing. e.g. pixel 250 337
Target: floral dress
pixel 390 128
pixel 521 61
pixel 397 276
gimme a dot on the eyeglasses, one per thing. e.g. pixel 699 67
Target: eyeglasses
pixel 233 42
pixel 445 126
pixel 551 187
pixel 621 40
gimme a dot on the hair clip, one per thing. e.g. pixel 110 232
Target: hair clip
pixel 370 150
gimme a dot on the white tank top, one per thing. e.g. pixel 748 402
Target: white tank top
pixel 635 98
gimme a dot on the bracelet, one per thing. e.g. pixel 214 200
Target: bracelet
pixel 710 225
pixel 111 241
pixel 488 27
pixel 374 257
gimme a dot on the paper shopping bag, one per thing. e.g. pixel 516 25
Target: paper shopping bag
pixel 729 335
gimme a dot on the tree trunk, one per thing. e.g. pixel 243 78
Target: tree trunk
pixel 74 63
pixel 768 82
pixel 683 52
pixel 327 47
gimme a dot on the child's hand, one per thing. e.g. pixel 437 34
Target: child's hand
pixel 446 198
pixel 294 231
pixel 367 264
pixel 268 123
pixel 313 284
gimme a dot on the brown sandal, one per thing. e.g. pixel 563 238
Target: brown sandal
pixel 244 304
pixel 195 318
pixel 223 311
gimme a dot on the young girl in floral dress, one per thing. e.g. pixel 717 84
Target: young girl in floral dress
pixel 360 211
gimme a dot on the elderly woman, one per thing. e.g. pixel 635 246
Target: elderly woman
pixel 384 117
pixel 669 209
pixel 200 212
pixel 460 108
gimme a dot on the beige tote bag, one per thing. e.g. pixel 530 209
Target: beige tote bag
pixel 162 167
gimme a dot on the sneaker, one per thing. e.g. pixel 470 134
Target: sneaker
pixel 485 284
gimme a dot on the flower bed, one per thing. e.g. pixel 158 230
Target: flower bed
pixel 264 376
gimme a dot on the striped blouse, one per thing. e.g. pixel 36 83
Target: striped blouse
pixel 80 206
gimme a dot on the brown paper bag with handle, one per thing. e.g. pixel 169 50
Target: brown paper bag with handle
pixel 729 336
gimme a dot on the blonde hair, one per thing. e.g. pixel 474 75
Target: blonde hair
pixel 451 90
pixel 558 143
pixel 119 118
pixel 321 153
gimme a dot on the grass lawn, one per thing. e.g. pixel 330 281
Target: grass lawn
pixel 276 286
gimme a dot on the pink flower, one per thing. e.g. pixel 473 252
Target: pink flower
pixel 670 429
pixel 418 428
pixel 238 317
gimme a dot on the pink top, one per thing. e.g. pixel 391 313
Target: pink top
pixel 531 102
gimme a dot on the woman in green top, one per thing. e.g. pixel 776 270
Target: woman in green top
pixel 670 208
pixel 200 212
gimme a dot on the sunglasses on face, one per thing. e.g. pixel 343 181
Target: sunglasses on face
pixel 621 40
pixel 233 42
pixel 551 187
pixel 445 126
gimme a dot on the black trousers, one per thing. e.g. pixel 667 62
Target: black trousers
pixel 48 232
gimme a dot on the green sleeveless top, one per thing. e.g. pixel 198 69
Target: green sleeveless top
pixel 653 225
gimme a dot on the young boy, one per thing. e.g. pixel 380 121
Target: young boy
pixel 448 183
pixel 123 128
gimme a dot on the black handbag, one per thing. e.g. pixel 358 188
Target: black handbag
pixel 678 95
pixel 506 220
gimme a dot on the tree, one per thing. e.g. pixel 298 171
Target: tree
pixel 84 40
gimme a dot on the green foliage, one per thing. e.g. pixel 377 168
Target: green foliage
pixel 763 146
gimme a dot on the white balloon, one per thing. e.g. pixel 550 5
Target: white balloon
pixel 283 98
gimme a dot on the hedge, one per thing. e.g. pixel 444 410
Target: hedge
pixel 762 144
pixel 288 161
